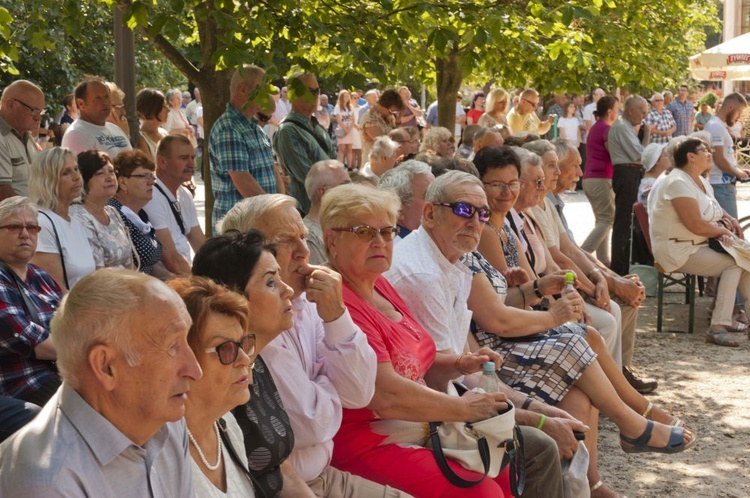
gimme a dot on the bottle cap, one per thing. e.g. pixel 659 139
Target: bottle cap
pixel 570 277
pixel 488 367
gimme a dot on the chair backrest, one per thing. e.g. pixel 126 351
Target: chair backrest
pixel 639 210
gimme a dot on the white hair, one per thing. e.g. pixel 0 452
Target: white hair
pixel 245 214
pixel 399 179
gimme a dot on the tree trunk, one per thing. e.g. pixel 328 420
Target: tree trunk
pixel 449 80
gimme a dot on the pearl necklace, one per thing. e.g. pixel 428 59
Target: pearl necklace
pixel 200 451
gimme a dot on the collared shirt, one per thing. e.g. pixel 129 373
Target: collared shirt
pixel 16 155
pixel 238 144
pixel 298 146
pixel 435 289
pixel 558 204
pixel 71 450
pixel 20 371
pixel 624 146
pixel 161 216
pixel 682 113
pixel 82 135
pixel 319 368
pixel 315 242
pixel 663 121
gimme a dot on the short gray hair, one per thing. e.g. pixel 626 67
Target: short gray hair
pixel 248 73
pixel 562 147
pixel 383 147
pixel 432 138
pixel 399 179
pixel 539 147
pixel 246 213
pixel 171 93
pixel 44 176
pixel 97 310
pixel 12 205
pixel 319 174
pixel 527 158
pixel 438 190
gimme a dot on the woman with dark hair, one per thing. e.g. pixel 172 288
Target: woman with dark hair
pixel 477 108
pixel 69 115
pixel 381 118
pixel 152 110
pixel 105 230
pixel 688 216
pixel 135 185
pixel 597 179
pixel 245 263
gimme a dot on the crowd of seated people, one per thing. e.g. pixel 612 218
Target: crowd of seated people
pixel 288 355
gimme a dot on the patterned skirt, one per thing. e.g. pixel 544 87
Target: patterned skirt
pixel 543 367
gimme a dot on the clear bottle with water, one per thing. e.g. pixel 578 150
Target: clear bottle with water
pixel 489 381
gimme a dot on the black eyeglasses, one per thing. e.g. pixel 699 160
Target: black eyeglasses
pixel 314 91
pixel 32 110
pixel 263 118
pixel 533 104
pixel 18 228
pixel 538 184
pixel 229 351
pixel 367 233
pixel 149 177
pixel 466 210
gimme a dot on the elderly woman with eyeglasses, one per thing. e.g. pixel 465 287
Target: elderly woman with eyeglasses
pixel 359 225
pixel 225 350
pixel 63 249
pixel 28 299
pixel 246 264
pixel 135 185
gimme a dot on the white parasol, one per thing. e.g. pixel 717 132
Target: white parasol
pixel 728 61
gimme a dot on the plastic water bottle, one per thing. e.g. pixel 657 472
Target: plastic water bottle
pixel 489 381
pixel 570 278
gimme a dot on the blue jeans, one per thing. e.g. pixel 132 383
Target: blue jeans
pixel 726 194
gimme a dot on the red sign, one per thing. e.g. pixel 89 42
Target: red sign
pixel 717 75
pixel 738 59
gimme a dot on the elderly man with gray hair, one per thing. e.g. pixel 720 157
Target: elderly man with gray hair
pixel 382 158
pixel 323 176
pixel 115 427
pixel 240 152
pixel 409 180
pixel 321 365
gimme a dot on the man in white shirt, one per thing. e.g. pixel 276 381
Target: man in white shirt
pixel 324 363
pixel 171 209
pixel 91 130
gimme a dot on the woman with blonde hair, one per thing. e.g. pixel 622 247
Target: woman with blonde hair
pixel 63 249
pixel 346 125
pixel 495 108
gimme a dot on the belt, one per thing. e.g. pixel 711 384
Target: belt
pixel 691 242
pixel 630 165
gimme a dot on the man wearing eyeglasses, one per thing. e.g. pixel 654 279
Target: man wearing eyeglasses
pixel 92 130
pixel 21 110
pixel 427 272
pixel 115 427
pixel 240 152
pixel 171 209
pixel 523 116
pixel 301 141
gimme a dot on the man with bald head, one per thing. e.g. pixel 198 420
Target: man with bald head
pixel 21 111
pixel 323 176
pixel 626 149
pixel 523 116
pixel 487 137
pixel 115 428
pixel 301 141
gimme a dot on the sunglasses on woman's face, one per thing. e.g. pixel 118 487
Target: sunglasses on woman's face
pixel 466 210
pixel 229 351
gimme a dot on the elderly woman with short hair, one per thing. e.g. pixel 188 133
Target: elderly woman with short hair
pixel 63 249
pixel 382 158
pixel 359 227
pixel 177 122
pixel 28 299
pixel 439 141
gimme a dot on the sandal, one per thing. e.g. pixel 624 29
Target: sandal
pixel 737 326
pixel 676 442
pixel 741 316
pixel 675 422
pixel 605 490
pixel 720 338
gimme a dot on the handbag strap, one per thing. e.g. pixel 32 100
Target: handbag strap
pixel 236 458
pixel 175 212
pixel 516 457
pixel 453 478
pixel 59 249
pixel 317 138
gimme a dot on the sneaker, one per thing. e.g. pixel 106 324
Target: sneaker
pixel 643 386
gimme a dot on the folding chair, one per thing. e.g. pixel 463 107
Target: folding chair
pixel 666 279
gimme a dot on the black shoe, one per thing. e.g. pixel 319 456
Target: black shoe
pixel 646 386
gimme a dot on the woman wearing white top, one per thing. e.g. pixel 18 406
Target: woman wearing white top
pixel 568 125
pixel 683 216
pixel 63 249
pixel 357 137
pixel 225 351
pixel 177 123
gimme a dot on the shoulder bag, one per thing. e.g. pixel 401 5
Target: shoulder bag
pixel 59 249
pixel 236 458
